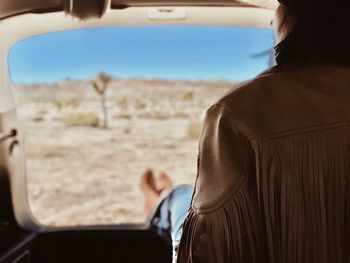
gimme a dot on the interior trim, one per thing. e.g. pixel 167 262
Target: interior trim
pixel 119 4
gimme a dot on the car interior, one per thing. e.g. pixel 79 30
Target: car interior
pixel 22 237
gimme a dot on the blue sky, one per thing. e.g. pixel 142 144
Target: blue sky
pixel 167 52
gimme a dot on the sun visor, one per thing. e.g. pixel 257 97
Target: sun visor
pixel 16 7
pixel 82 9
pixel 85 9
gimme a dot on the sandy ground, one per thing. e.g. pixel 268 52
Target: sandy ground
pixel 83 175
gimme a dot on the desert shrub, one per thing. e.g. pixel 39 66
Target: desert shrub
pixel 123 103
pixel 38 118
pixel 182 114
pixel 139 103
pixel 160 115
pixel 194 129
pixel 40 115
pixel 124 115
pixel 59 104
pixel 89 119
pixel 71 103
pixel 188 96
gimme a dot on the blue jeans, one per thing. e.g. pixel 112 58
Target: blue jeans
pixel 171 212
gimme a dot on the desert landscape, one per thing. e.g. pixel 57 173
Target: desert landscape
pixel 80 173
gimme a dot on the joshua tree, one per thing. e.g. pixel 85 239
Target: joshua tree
pixel 100 85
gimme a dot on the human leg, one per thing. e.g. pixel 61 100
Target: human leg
pixel 171 208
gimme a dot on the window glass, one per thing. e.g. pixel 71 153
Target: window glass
pixel 101 105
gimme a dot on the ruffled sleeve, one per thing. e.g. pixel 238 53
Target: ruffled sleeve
pixel 221 219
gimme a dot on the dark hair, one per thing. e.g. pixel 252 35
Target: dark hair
pixel 319 32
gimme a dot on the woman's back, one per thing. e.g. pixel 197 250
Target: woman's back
pixel 276 155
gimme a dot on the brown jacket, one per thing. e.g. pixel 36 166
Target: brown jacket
pixel 273 179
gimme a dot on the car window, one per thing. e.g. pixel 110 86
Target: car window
pixel 100 105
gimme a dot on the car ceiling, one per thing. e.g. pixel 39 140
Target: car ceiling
pixel 95 8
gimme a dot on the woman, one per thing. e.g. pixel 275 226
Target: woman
pixel 273 179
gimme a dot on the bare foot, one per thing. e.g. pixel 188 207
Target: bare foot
pixel 149 189
pixel 164 182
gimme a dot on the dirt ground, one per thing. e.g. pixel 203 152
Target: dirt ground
pixel 79 174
